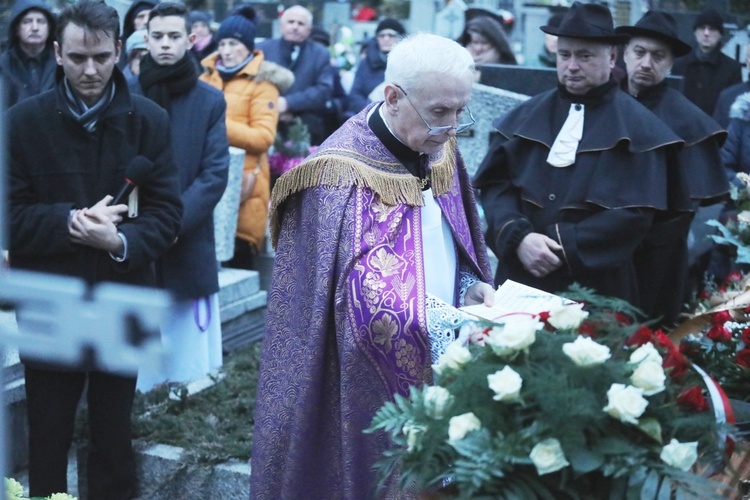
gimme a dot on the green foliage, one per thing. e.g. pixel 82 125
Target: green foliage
pixel 559 400
pixel 296 143
pixel 215 425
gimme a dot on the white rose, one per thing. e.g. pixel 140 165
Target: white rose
pixel 649 376
pixel 548 456
pixel 585 352
pixel 680 455
pixel 506 384
pixel 744 217
pixel 454 357
pixel 515 335
pixel 647 352
pixel 567 316
pixel 413 433
pixel 626 403
pixel 437 401
pixel 459 426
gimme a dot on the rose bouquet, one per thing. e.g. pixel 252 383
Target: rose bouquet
pixel 570 403
pixel 719 342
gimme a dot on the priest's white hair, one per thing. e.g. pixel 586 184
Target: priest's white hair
pixel 418 59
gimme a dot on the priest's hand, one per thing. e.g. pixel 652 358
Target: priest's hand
pixel 480 293
pixel 537 254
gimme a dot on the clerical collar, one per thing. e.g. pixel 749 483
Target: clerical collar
pixel 415 163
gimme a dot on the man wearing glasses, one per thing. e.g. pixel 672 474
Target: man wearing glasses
pixel 377 240
pixel 571 183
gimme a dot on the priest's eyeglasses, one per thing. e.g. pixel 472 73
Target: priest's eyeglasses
pixel 461 127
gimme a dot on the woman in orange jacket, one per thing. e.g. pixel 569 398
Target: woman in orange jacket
pixel 251 87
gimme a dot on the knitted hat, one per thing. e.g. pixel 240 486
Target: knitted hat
pixel 136 41
pixel 239 25
pixel 710 18
pixel 390 24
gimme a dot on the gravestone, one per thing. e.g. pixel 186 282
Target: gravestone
pixel 487 104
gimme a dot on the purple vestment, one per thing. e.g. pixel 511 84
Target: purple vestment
pixel 346 326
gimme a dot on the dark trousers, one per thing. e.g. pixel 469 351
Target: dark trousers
pixel 52 398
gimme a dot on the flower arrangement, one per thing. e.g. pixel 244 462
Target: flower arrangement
pixel 15 491
pixel 568 403
pixel 736 230
pixel 290 152
pixel 717 337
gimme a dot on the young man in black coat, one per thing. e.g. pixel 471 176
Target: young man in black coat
pixel 200 148
pixel 706 71
pixel 69 149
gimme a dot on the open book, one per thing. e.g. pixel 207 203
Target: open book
pixel 513 298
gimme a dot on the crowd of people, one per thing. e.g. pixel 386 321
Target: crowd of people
pixel 377 234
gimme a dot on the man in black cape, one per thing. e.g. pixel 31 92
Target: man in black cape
pixel 662 258
pixel 572 180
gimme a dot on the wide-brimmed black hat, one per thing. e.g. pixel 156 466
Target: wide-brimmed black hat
pixel 588 21
pixel 660 26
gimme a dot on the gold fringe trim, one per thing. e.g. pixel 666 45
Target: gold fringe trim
pixel 339 170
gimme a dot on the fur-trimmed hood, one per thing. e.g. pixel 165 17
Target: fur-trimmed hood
pixel 259 70
pixel 741 108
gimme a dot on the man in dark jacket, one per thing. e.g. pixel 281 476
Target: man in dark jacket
pixel 69 149
pixel 28 65
pixel 661 261
pixel 371 69
pixel 707 71
pixel 197 113
pixel 310 62
pixel 728 95
pixel 135 19
pixel 565 200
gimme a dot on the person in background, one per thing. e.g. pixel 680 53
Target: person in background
pixel 61 222
pixel 251 87
pixel 135 49
pixel 310 63
pixel 368 79
pixel 27 67
pixel 736 150
pixel 135 19
pixel 191 335
pixel 565 201
pixel 728 95
pixel 377 241
pixel 706 71
pixel 487 43
pixel 200 27
pixel 548 55
pixel 661 260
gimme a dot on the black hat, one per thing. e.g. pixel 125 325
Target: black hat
pixel 240 25
pixel 588 21
pixel 662 27
pixel 711 18
pixel 391 24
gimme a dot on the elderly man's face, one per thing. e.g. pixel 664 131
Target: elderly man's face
pixel 296 25
pixel 88 60
pixel 707 37
pixel 440 102
pixel 583 65
pixel 648 61
pixel 33 28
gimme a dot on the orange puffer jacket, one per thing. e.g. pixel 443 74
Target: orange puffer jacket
pixel 252 114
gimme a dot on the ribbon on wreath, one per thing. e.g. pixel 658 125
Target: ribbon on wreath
pixel 721 405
